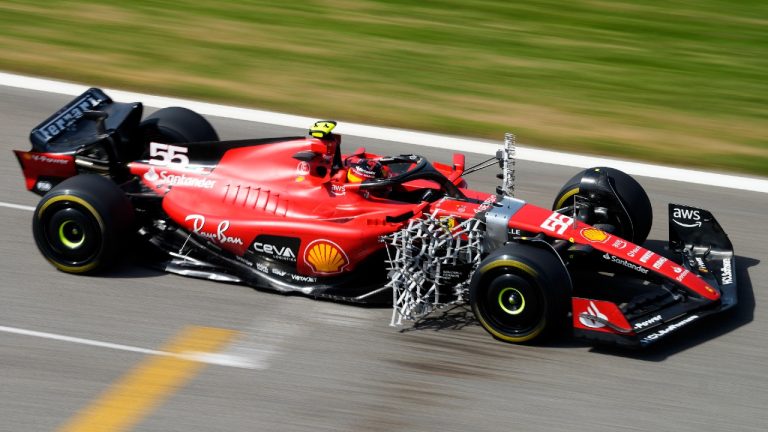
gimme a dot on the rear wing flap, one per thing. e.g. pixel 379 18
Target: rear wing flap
pixel 67 130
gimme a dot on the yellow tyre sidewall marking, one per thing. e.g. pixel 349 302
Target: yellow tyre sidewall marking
pixel 94 213
pixel 514 339
pixel 565 197
pixel 509 263
pixel 143 389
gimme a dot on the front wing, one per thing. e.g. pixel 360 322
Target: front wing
pixel 703 249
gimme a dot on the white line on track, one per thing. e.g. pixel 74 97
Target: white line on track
pixel 16 206
pixel 261 341
pixel 468 145
pixel 209 358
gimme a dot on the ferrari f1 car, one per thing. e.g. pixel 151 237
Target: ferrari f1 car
pixel 288 214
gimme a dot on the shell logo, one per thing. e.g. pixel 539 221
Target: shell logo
pixel 594 235
pixel 325 257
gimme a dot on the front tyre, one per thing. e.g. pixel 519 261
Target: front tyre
pixel 81 225
pixel 636 225
pixel 520 293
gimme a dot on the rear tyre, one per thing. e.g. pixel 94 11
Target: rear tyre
pixel 520 293
pixel 82 224
pixel 632 197
pixel 177 125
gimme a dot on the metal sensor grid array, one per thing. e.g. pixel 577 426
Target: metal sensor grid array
pixel 426 254
pixel 508 165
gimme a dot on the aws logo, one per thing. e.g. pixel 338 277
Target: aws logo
pixel 688 215
pixel 325 257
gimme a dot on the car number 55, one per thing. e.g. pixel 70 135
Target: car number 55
pixel 166 154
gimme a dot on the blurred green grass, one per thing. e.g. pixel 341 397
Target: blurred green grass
pixel 679 82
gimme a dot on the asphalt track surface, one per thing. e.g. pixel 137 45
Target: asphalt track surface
pixel 308 365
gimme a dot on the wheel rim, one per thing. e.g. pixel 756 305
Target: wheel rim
pixel 511 301
pixel 513 306
pixel 71 235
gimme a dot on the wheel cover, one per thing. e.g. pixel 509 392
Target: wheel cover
pixel 511 301
pixel 71 234
pixel 513 307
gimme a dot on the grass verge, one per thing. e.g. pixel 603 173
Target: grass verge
pixel 677 82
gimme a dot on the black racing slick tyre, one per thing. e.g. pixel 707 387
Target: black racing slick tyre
pixel 631 194
pixel 82 224
pixel 521 293
pixel 177 125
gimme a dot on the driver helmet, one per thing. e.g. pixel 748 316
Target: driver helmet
pixel 366 169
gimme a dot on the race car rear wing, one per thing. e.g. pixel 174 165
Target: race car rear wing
pixel 91 133
pixel 71 128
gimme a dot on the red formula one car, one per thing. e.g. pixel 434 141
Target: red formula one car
pixel 297 215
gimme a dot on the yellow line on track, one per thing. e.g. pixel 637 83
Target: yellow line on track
pixel 143 389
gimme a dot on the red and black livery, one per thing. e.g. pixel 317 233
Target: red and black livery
pixel 283 214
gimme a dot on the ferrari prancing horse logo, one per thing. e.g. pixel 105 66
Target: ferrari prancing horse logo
pixel 325 257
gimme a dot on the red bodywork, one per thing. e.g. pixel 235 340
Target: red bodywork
pixel 39 168
pixel 283 214
pixel 264 190
pixel 269 190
